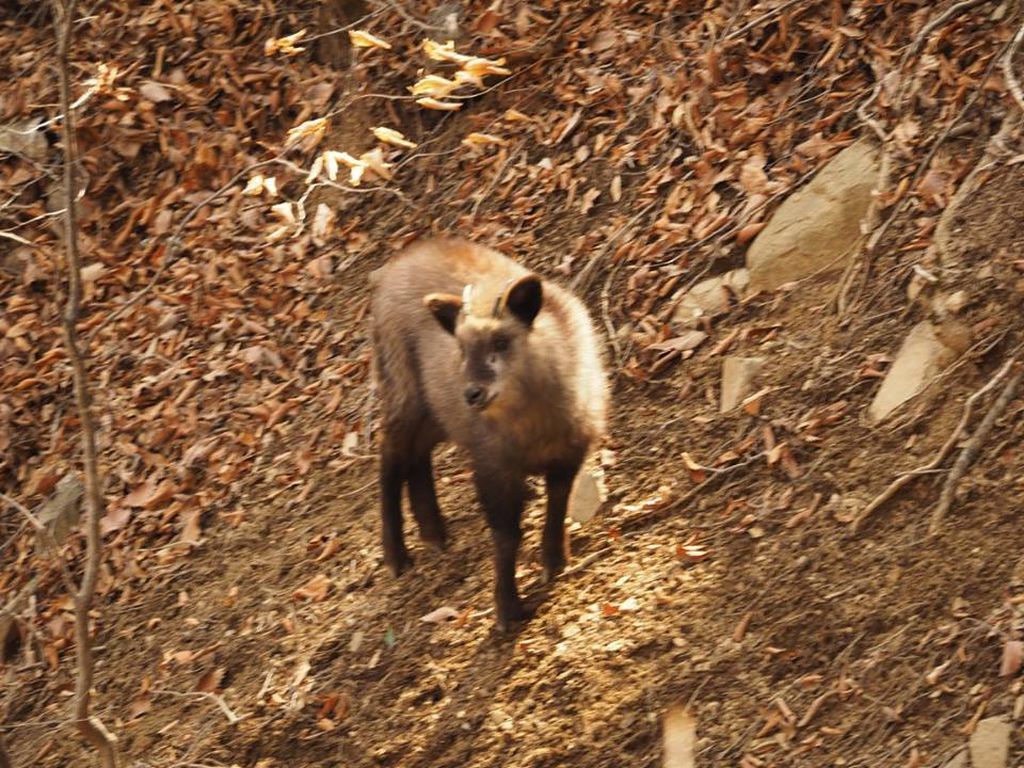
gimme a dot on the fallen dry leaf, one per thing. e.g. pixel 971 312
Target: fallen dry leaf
pixel 1013 658
pixel 315 590
pixel 363 39
pixel 439 615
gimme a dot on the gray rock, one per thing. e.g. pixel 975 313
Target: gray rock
pixel 817 227
pixel 920 359
pixel 990 743
pixel 24 139
pixel 586 497
pixel 705 298
pixel 738 377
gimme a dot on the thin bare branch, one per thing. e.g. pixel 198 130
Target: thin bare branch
pixel 762 19
pixel 922 167
pixel 89 726
pixel 921 37
pixel 338 30
pixel 401 11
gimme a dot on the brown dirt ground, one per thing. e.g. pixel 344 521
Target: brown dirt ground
pixel 840 630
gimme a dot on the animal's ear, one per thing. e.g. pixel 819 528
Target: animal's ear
pixel 445 308
pixel 524 298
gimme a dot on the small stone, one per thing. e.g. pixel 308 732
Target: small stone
pixel 24 139
pixel 990 743
pixel 956 301
pixel 959 760
pixel 954 334
pixel 815 229
pixel 920 359
pixel 586 498
pixel 738 377
pixel 706 297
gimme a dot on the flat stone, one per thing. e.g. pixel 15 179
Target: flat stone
pixel 959 760
pixel 586 497
pixel 990 743
pixel 706 297
pixel 738 377
pixel 24 139
pixel 817 227
pixel 920 359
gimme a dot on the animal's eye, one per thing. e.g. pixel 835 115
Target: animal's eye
pixel 500 343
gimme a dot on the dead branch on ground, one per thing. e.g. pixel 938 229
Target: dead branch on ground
pixel 872 231
pixel 222 705
pixel 1008 74
pixel 91 728
pixel 972 450
pixel 896 485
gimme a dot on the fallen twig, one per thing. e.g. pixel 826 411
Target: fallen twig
pixel 922 36
pixel 407 16
pixel 971 451
pixel 873 231
pixel 897 484
pixel 868 224
pixel 1011 79
pixel 762 19
pixel 218 700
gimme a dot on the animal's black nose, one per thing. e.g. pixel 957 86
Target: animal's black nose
pixel 474 394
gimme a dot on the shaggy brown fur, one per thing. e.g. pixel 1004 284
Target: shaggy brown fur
pixel 509 369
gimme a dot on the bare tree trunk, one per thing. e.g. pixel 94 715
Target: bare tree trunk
pixel 334 49
pixel 90 727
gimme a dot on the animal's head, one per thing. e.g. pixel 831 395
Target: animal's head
pixel 492 339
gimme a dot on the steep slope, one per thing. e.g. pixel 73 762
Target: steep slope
pixel 636 150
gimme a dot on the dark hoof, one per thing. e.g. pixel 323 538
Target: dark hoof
pixel 552 567
pixel 436 538
pixel 549 575
pixel 399 563
pixel 509 617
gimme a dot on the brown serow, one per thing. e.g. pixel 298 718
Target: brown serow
pixel 474 349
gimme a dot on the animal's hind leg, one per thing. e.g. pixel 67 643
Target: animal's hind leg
pixel 423 500
pixel 393 474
